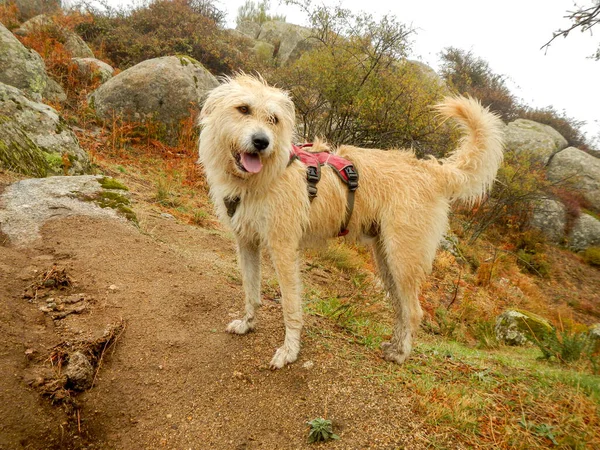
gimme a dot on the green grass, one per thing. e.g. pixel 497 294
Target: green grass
pixel 488 397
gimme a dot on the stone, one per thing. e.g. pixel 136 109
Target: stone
pixel 27 204
pixel 79 372
pixel 550 217
pixel 160 89
pixel 579 170
pixel 289 41
pixel 35 139
pixel 538 141
pixel 31 8
pixel 71 41
pixel 24 69
pixel 92 67
pixel 585 233
pixel 513 327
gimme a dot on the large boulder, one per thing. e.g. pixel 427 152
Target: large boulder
pixel 289 41
pixel 30 8
pixel 92 68
pixel 550 217
pixel 160 89
pixel 514 326
pixel 585 233
pixel 537 141
pixel 580 170
pixel 25 69
pixel 71 41
pixel 34 139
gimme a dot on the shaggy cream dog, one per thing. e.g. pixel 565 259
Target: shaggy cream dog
pixel 401 206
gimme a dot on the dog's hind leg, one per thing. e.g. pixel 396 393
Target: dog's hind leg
pixel 402 287
pixel 249 259
pixel 285 258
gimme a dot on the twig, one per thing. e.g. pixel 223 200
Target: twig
pixel 110 341
pixel 455 296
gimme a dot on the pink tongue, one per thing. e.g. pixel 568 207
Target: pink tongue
pixel 251 162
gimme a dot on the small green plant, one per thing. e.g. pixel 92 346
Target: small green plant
pixel 564 345
pixel 485 334
pixel 321 430
pixel 442 324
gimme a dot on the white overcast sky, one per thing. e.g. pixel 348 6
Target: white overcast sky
pixel 508 34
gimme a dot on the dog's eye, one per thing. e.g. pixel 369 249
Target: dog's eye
pixel 274 120
pixel 243 109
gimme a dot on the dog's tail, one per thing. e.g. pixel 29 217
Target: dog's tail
pixel 471 169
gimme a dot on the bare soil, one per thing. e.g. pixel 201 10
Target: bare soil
pixel 173 378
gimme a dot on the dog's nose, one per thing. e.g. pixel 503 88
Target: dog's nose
pixel 260 141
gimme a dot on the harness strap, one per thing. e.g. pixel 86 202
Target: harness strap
pixel 342 167
pixel 231 203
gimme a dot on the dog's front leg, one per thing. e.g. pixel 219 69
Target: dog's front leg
pixel 285 258
pixel 249 259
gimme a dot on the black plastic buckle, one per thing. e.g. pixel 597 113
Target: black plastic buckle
pixel 312 174
pixel 352 176
pixel 312 191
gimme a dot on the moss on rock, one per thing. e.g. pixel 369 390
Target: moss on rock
pixel 20 154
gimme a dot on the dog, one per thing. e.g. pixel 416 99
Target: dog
pixel 401 207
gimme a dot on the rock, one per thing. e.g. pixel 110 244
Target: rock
pixel 35 140
pixel 513 326
pixel 550 217
pixel 594 332
pixel 92 67
pixel 538 141
pixel 79 372
pixel 585 233
pixel 70 40
pixel 25 69
pixel 28 204
pixel 31 8
pixel 580 170
pixel 161 89
pixel 288 40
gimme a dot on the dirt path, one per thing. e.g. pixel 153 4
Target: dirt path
pixel 175 379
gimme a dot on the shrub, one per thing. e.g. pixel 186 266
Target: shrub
pixel 469 74
pixel 9 15
pixel 256 12
pixel 592 256
pixel 167 27
pixel 565 346
pixel 354 86
pixel 49 41
pixel 520 182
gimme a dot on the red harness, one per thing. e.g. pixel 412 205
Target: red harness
pixel 343 168
pixel 313 162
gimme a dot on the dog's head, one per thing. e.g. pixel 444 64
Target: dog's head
pixel 247 128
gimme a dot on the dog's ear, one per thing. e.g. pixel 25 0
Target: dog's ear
pixel 207 108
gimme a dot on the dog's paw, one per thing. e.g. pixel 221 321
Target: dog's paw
pixel 239 327
pixel 283 356
pixel 391 353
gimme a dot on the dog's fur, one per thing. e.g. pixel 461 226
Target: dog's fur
pixel 401 206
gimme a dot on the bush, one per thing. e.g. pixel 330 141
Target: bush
pixel 49 41
pixel 167 27
pixel 256 12
pixel 565 346
pixel 519 184
pixel 469 74
pixel 592 256
pixel 354 87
